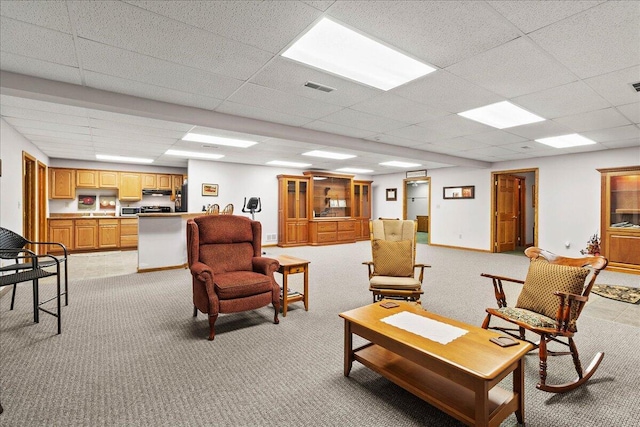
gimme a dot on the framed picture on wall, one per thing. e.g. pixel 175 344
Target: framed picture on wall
pixel 210 190
pixel 392 194
pixel 463 192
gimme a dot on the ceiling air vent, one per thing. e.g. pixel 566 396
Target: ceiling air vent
pixel 318 86
pixel 636 86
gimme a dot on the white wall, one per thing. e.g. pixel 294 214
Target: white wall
pixel 12 144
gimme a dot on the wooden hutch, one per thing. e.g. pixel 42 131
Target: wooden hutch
pixel 322 208
pixel 620 218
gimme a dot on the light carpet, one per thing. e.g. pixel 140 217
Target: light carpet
pixel 131 354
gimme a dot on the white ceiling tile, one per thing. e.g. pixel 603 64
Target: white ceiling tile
pixel 631 111
pixel 414 132
pixel 531 15
pixel 633 142
pixel 262 97
pixel 339 129
pixel 616 87
pixel 37 42
pixel 539 130
pixel 32 104
pixel 49 14
pixel 496 137
pixel 44 116
pixel 322 5
pixel 614 134
pixel 143 90
pixel 569 99
pixel 108 60
pixel 43 125
pixel 593 120
pixel 34 134
pixel 454 125
pixel 395 107
pixel 289 76
pixel 128 27
pixel 460 144
pixel 361 120
pixel 487 152
pixel 532 148
pixel 259 113
pixel 447 92
pixel 523 68
pixel 586 44
pixel 136 129
pixel 438 32
pixel 395 140
pixel 38 68
pixel 134 138
pixel 135 120
pixel 267 25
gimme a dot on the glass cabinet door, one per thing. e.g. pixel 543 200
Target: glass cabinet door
pixel 365 202
pixel 302 199
pixel 625 201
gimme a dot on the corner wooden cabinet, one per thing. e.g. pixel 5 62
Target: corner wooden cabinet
pixel 362 208
pixel 293 208
pixel 620 218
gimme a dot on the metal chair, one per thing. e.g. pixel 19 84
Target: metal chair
pixel 31 267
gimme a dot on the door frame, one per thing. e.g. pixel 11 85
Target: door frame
pixel 406 182
pixel 494 202
pixel 29 197
pixel 42 201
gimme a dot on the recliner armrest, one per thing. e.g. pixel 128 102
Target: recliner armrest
pixel 265 265
pixel 198 269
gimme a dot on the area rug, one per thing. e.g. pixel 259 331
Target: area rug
pixel 618 293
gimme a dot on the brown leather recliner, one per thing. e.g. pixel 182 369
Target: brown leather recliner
pixel 229 273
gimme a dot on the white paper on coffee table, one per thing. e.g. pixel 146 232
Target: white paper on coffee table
pixel 425 327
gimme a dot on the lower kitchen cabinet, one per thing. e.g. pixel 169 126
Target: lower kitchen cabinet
pixel 108 233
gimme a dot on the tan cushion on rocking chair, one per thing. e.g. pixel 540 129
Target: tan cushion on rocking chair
pixel 392 258
pixel 543 279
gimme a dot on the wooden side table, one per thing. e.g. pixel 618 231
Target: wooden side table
pixel 292 265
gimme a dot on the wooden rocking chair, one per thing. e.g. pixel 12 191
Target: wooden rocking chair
pixel 554 293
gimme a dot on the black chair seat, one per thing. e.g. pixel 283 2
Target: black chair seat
pixel 25 276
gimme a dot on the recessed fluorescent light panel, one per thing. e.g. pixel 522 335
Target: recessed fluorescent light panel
pixel 218 140
pixel 194 154
pixel 111 158
pixel 354 170
pixel 501 115
pixel 328 155
pixel 291 164
pixel 566 141
pixel 397 164
pixel 332 47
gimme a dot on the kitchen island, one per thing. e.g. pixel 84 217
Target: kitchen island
pixel 162 240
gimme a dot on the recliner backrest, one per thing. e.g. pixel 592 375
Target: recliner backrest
pixel 394 230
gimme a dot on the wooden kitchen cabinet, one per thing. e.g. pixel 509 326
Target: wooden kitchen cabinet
pixel 108 233
pixel 86 178
pixel 176 185
pixel 163 182
pixel 86 234
pixel 62 183
pixel 61 231
pixel 130 186
pixel 108 179
pixel 620 218
pixel 128 233
pixel 149 181
pixel 293 208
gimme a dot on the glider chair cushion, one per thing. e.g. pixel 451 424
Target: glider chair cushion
pixel 229 274
pixel 393 250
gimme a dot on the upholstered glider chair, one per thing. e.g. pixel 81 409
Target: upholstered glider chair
pixel 229 273
pixel 392 273
pixel 553 295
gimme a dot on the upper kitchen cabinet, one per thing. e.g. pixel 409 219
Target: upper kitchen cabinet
pixel 86 178
pixel 163 182
pixel 130 186
pixel 149 181
pixel 108 179
pixel 62 183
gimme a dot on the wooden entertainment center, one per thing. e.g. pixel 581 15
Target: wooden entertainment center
pixel 322 208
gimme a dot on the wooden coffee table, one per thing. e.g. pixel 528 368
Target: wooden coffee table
pixel 459 377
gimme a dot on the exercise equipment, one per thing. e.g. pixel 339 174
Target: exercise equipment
pixel 252 206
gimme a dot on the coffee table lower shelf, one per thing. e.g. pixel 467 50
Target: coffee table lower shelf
pixel 449 397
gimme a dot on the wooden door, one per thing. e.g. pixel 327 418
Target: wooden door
pixel 29 197
pixel 506 212
pixel 42 205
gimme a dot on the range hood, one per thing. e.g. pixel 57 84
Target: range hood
pixel 153 192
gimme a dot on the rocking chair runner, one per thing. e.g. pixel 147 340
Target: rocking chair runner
pixel 554 293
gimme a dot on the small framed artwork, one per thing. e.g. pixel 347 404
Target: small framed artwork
pixel 210 190
pixel 392 194
pixel 463 192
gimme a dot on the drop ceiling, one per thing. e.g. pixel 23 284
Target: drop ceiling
pixel 130 78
